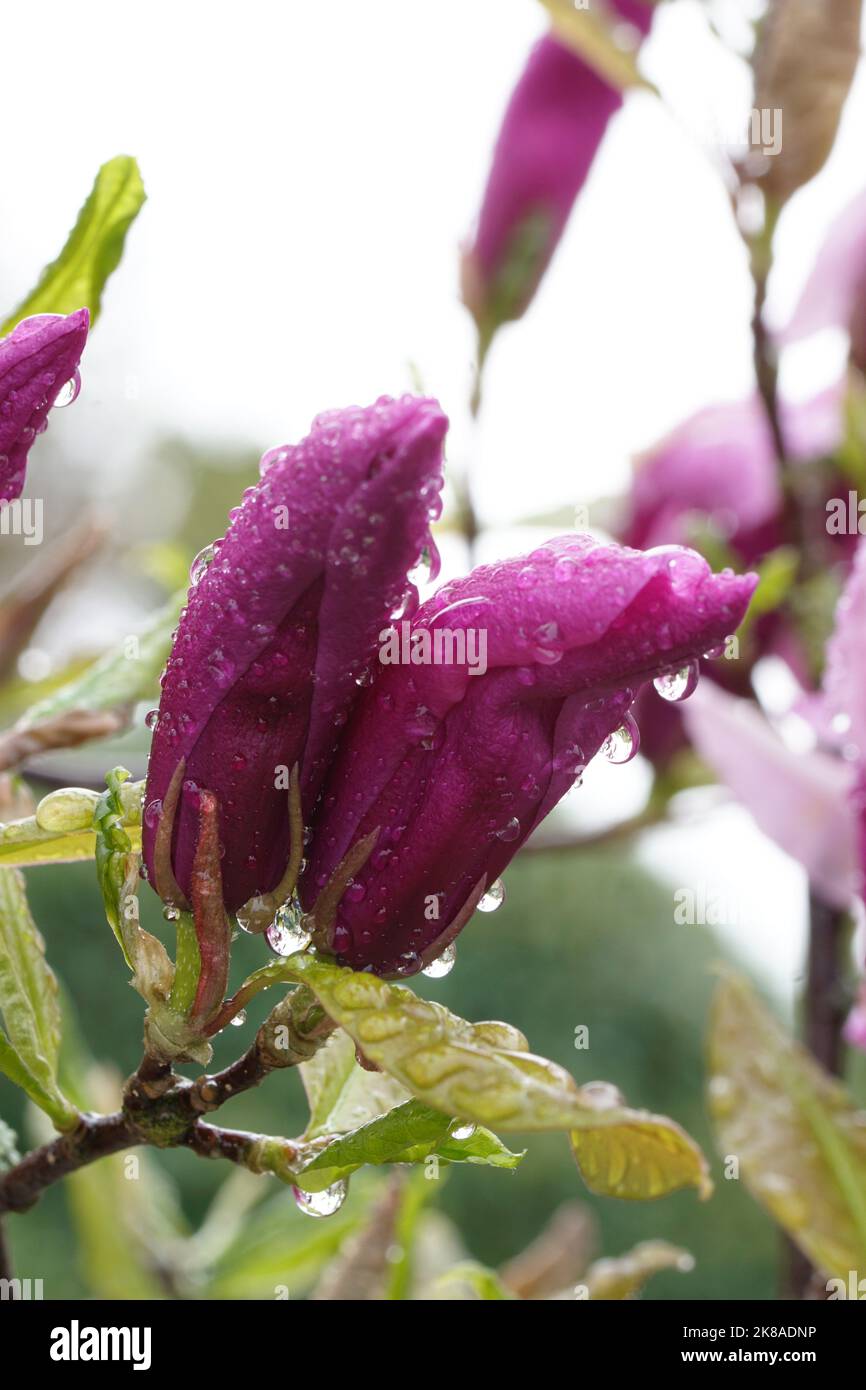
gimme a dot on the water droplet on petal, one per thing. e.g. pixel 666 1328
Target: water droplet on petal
pixel 678 684
pixel 68 391
pixel 622 745
pixel 421 571
pixel 287 934
pixel 442 965
pixel 199 566
pixel 171 913
pixel 509 831
pixel 493 898
pixel 239 1019
pixel 151 719
pixel 324 1203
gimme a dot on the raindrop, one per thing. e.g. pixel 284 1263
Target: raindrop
pixel 463 1129
pixel 422 570
pixel 622 745
pixel 678 684
pixel 442 965
pixel 287 933
pixel 68 391
pixel 493 898
pixel 151 719
pixel 171 913
pixel 200 564
pixel 509 831
pixel 324 1203
pixel 239 1019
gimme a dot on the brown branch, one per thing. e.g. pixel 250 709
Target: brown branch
pixel 164 1110
pixel 96 1137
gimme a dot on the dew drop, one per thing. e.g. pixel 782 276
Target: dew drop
pixel 463 1129
pixel 678 684
pixel 509 831
pixel 324 1203
pixel 421 571
pixel 200 564
pixel 171 913
pixel 442 965
pixel 622 745
pixel 493 898
pixel 151 719
pixel 68 391
pixel 239 1019
pixel 287 934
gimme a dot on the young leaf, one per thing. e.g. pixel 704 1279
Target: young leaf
pixel 29 1008
pixel 93 249
pixel 799 1139
pixel 483 1072
pixel 341 1094
pixel 408 1134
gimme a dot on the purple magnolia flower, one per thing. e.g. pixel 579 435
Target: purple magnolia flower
pixel 835 293
pixel 277 635
pixel 447 767
pixel 554 124
pixel 37 360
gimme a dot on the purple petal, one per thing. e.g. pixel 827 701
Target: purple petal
pixel 455 770
pixel 282 625
pixel 37 359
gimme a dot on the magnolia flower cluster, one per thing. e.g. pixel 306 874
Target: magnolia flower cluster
pixel 423 778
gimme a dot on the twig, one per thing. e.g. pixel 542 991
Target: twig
pixel 164 1110
pixel 96 1137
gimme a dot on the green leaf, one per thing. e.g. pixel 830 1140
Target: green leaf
pixel 62 832
pixel 29 1006
pixel 471 1282
pixel 408 1134
pixel 799 1139
pixel 623 1276
pixel 341 1094
pixel 93 249
pixel 483 1072
pixel 121 677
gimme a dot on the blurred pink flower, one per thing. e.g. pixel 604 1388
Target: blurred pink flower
pixel 802 801
pixel 719 467
pixel 835 293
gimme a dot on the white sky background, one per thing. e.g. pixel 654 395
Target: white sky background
pixel 311 171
